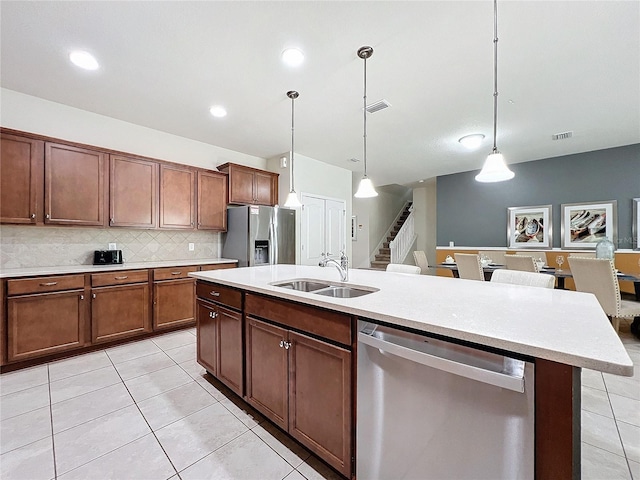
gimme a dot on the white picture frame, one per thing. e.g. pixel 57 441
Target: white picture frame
pixel 583 225
pixel 530 227
pixel 354 228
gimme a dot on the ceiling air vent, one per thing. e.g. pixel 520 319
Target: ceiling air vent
pixel 562 136
pixel 376 107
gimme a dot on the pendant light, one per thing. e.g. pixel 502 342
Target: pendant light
pixel 292 198
pixel 366 188
pixel 495 169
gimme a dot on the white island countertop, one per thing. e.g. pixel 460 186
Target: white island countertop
pixel 65 269
pixel 558 325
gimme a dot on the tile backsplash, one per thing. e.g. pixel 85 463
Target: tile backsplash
pixel 28 246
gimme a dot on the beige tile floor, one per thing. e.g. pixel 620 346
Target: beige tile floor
pixel 145 410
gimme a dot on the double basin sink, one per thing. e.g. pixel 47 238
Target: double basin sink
pixel 321 287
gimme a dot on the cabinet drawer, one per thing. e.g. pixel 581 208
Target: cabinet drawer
pixel 217 266
pixel 172 273
pixel 324 323
pixel 218 293
pixel 44 284
pixel 119 278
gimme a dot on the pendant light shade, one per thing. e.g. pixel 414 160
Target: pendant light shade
pixel 292 199
pixel 366 188
pixel 495 168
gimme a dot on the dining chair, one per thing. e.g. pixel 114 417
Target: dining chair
pixel 524 263
pixel 598 276
pixel 421 261
pixel 518 277
pixel 496 256
pixel 402 268
pixel 469 266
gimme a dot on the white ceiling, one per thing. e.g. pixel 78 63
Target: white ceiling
pixel 563 65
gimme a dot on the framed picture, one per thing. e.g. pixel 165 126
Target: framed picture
pixel 354 229
pixel 584 224
pixel 529 227
pixel 636 223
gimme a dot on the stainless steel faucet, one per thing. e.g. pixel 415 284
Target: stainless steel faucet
pixel 343 266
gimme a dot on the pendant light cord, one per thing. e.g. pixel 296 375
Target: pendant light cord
pixel 495 74
pixel 364 112
pixel 291 169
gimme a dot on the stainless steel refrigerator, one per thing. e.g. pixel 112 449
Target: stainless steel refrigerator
pixel 258 235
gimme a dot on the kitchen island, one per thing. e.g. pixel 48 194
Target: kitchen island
pixel 560 331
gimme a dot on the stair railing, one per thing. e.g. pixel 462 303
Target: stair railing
pixel 373 253
pixel 401 245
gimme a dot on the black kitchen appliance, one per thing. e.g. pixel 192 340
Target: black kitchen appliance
pixel 107 257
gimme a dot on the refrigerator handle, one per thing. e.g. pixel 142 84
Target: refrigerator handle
pixel 273 240
pixel 498 379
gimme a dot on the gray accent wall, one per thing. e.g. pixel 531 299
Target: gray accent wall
pixel 475 214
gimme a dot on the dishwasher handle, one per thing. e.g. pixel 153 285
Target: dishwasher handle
pixel 498 379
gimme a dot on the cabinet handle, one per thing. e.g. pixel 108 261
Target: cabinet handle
pixel 33 215
pixel 214 294
pixel 81 297
pixel 213 314
pixel 124 277
pixel 281 343
pixel 93 295
pixel 48 284
pixel 47 216
pixel 192 224
pixel 176 273
pixel 287 345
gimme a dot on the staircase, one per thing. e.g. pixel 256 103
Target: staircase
pixel 383 257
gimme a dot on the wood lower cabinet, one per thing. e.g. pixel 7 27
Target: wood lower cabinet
pixel 74 188
pixel 133 192
pixel 174 297
pixel 251 186
pixel 45 315
pixel 21 179
pixel 119 311
pixel 177 197
pixel 212 201
pixel 220 334
pixel 301 383
pixel 268 371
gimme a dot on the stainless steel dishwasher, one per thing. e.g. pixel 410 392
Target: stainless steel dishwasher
pixel 431 409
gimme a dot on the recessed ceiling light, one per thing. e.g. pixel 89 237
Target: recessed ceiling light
pixel 472 141
pixel 420 181
pixel 218 111
pixel 84 60
pixel 293 57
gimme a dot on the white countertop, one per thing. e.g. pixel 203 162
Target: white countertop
pixel 562 326
pixel 36 271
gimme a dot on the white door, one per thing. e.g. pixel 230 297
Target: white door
pixel 323 228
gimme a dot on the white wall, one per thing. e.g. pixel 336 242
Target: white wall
pixel 314 177
pixel 36 115
pixel 424 211
pixel 374 217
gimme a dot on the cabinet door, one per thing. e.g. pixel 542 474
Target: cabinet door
pixel 230 349
pixel 119 312
pixel 43 324
pixel 320 399
pixel 267 371
pixel 263 190
pixel 21 171
pixel 177 197
pixel 212 201
pixel 133 186
pixel 74 185
pixel 173 303
pixel 207 338
pixel 241 186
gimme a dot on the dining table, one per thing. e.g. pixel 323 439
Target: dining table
pixel 560 274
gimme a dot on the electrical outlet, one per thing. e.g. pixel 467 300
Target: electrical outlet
pixel 192 247
pixel 112 246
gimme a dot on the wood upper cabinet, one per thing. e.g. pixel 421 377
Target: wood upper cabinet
pixel 251 186
pixel 74 189
pixel 133 192
pixel 177 197
pixel 45 315
pixel 21 179
pixel 267 371
pixel 212 201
